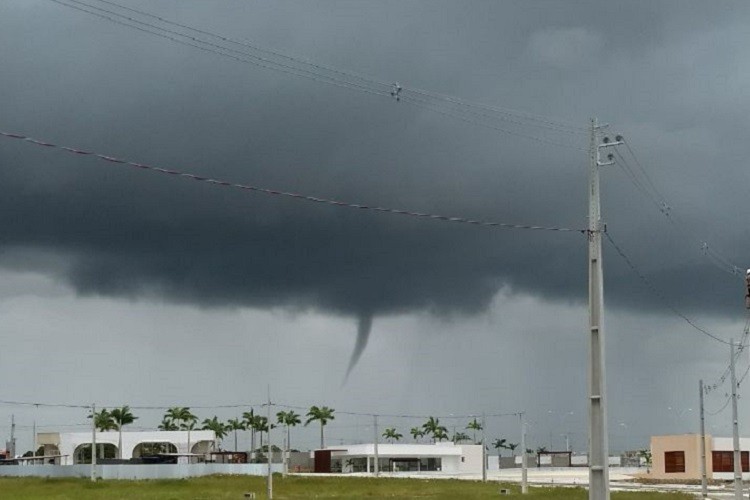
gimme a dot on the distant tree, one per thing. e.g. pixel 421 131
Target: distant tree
pixel 251 424
pixel 500 444
pixel 646 455
pixel 512 447
pixel 262 426
pixel 122 416
pixel 168 425
pixel 433 427
pixel 103 422
pixel 416 433
pixel 214 424
pixel 440 434
pixel 475 426
pixel 391 434
pixel 189 424
pixel 183 415
pixel 234 424
pixel 541 449
pixel 460 436
pixel 322 414
pixel 289 419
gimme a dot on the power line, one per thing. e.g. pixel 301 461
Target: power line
pixel 255 405
pixel 427 105
pixel 556 124
pixel 652 193
pixel 658 294
pixel 297 196
pixel 364 84
pixel 210 47
pixel 743 344
pixel 132 407
pixel 714 413
pixel 387 415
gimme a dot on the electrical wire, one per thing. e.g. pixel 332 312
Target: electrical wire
pixel 212 48
pixel 555 124
pixel 726 403
pixel 660 295
pixel 297 196
pixel 743 344
pixel 652 193
pixel 255 405
pixel 542 140
pixel 365 84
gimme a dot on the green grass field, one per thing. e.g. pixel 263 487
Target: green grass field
pixel 234 487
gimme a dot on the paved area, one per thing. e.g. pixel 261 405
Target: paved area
pixel 621 479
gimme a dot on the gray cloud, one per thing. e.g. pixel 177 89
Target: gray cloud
pixel 649 69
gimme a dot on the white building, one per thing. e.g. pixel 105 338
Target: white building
pixel 75 447
pixel 448 458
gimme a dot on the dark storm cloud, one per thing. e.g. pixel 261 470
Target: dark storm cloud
pixel 82 81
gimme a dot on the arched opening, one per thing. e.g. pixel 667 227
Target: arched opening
pixel 151 449
pixel 201 447
pixel 82 454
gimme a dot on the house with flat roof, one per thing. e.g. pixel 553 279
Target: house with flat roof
pixel 446 458
pixel 679 457
pixel 75 447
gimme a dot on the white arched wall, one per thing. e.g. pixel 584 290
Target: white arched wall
pixel 70 441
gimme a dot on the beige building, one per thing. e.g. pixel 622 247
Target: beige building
pixel 679 457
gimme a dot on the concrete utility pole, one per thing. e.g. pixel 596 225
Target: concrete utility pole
pixel 484 450
pixel 376 466
pixel 735 428
pixel 269 486
pixel 93 442
pixel 12 450
pixel 704 482
pixel 284 454
pixel 524 461
pixel 598 438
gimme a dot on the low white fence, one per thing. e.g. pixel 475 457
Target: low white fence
pixel 140 471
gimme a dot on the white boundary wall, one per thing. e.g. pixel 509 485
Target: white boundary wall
pixel 140 471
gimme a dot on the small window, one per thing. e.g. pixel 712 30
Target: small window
pixel 674 461
pixel 723 461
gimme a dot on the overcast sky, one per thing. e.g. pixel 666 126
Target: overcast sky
pixel 122 286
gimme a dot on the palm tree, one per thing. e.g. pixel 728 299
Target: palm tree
pixel 289 419
pixel 103 422
pixel 500 443
pixel 186 418
pixel 432 426
pixel 122 416
pixel 323 415
pixel 261 424
pixel 167 425
pixel 235 425
pixel 391 434
pixel 250 424
pixel 189 422
pixel 177 413
pixel 213 424
pixel 475 426
pixel 460 436
pixel 440 434
pixel 512 447
pixel 416 433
